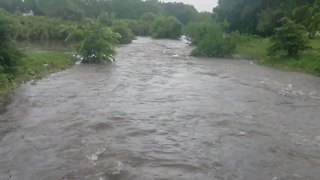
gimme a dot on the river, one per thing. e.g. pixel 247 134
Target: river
pixel 158 114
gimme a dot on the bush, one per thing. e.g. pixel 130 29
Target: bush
pixel 38 29
pixel 289 38
pixel 106 18
pixel 9 55
pixel 97 42
pixel 166 28
pixel 197 30
pixel 122 28
pixel 210 39
pixel 148 17
pixel 139 28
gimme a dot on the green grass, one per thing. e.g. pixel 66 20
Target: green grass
pixel 35 65
pixel 307 62
pixel 40 64
pixel 255 48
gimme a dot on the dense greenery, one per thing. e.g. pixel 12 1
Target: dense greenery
pixel 38 29
pixel 257 49
pixel 76 10
pixel 9 54
pixel 210 39
pixel 289 38
pixel 262 17
pixel 286 25
pixel 97 42
pixel 125 33
pixel 166 27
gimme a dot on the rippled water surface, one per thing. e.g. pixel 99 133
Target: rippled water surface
pixel 157 114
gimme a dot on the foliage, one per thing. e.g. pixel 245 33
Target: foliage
pixel 210 38
pixel 38 29
pixel 9 55
pixel 183 12
pixel 35 66
pixel 148 17
pixel 97 42
pixel 215 43
pixel 269 19
pixel 166 27
pixel 308 61
pixel 66 9
pixel 122 28
pixel 76 10
pixel 261 16
pixel 106 18
pixel 139 27
pixel 290 38
pixel 197 30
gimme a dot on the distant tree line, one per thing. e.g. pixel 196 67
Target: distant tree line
pixel 261 17
pixel 121 9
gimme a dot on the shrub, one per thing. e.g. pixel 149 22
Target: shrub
pixel 210 39
pixel 106 18
pixel 166 28
pixel 139 28
pixel 38 29
pixel 9 55
pixel 97 42
pixel 122 28
pixel 197 30
pixel 290 38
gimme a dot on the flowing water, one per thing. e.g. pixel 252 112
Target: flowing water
pixel 158 114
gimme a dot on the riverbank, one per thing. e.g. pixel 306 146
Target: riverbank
pixel 35 65
pixel 307 62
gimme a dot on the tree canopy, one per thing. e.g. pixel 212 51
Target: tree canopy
pixel 123 9
pixel 262 17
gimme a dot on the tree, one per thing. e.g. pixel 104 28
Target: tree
pixel 9 55
pixel 166 27
pixel 269 19
pixel 210 39
pixel 122 28
pixel 106 18
pixel 196 31
pixel 148 17
pixel 97 43
pixel 183 12
pixel 290 38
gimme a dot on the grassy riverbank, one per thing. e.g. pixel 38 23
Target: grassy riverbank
pixel 35 65
pixel 308 61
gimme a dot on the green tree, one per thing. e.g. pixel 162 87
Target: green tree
pixel 97 43
pixel 183 12
pixel 148 17
pixel 106 18
pixel 210 39
pixel 9 55
pixel 290 38
pixel 197 30
pixel 166 27
pixel 122 28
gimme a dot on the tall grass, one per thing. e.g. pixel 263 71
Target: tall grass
pixel 308 61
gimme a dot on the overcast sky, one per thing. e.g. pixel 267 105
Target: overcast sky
pixel 201 5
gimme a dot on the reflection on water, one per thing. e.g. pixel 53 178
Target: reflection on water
pixel 159 114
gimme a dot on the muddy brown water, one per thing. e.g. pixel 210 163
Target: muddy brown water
pixel 157 114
